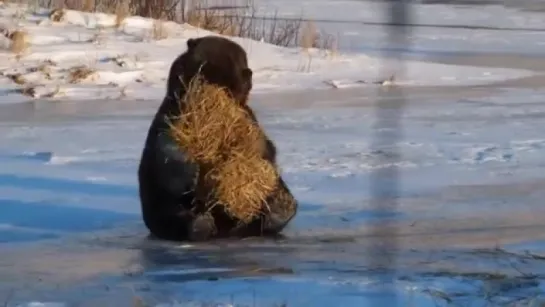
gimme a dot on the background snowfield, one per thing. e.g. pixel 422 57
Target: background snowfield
pixel 467 229
pixel 128 62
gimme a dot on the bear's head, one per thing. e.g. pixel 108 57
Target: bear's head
pixel 219 61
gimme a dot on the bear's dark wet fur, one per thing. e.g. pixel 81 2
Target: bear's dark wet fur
pixel 166 179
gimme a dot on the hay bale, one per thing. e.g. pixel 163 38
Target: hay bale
pixel 219 135
pixel 243 184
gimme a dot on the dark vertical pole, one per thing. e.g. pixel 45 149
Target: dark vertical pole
pixel 385 181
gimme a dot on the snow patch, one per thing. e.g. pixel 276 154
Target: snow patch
pixel 128 63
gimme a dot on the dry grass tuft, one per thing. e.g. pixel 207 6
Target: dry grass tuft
pixel 4 30
pixel 17 78
pixel 123 92
pixel 231 18
pixel 242 21
pixel 19 41
pixel 159 31
pixel 57 15
pixel 28 91
pixel 122 11
pixel 220 136
pixel 79 73
pixel 34 92
pixel 212 20
pixel 309 35
pixel 56 92
pixel 50 62
pixel 46 70
pixel 100 37
pixel 88 5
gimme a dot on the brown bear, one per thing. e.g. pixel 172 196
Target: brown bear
pixel 167 179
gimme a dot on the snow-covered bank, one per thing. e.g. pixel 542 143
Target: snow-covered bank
pixel 85 56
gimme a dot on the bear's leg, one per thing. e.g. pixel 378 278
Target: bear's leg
pixel 183 226
pixel 172 171
pixel 282 208
pixel 256 228
pixel 198 225
pixel 165 226
pixel 202 227
pixel 169 218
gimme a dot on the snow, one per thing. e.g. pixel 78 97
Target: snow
pixel 469 170
pixel 129 63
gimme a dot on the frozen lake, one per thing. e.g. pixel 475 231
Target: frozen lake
pixel 465 225
pixel 470 188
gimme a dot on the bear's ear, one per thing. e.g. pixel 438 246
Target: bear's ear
pixel 247 74
pixel 191 43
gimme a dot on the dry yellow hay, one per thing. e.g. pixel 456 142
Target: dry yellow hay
pixel 57 15
pixel 212 20
pixel 27 91
pixel 309 36
pixel 122 10
pixel 19 41
pixel 78 73
pixel 159 30
pixel 220 136
pixel 17 78
pixel 88 5
pixel 4 31
pixel 243 183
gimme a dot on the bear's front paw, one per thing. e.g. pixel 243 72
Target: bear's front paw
pixel 202 228
pixel 275 223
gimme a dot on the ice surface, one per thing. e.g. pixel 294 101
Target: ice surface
pixel 468 224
